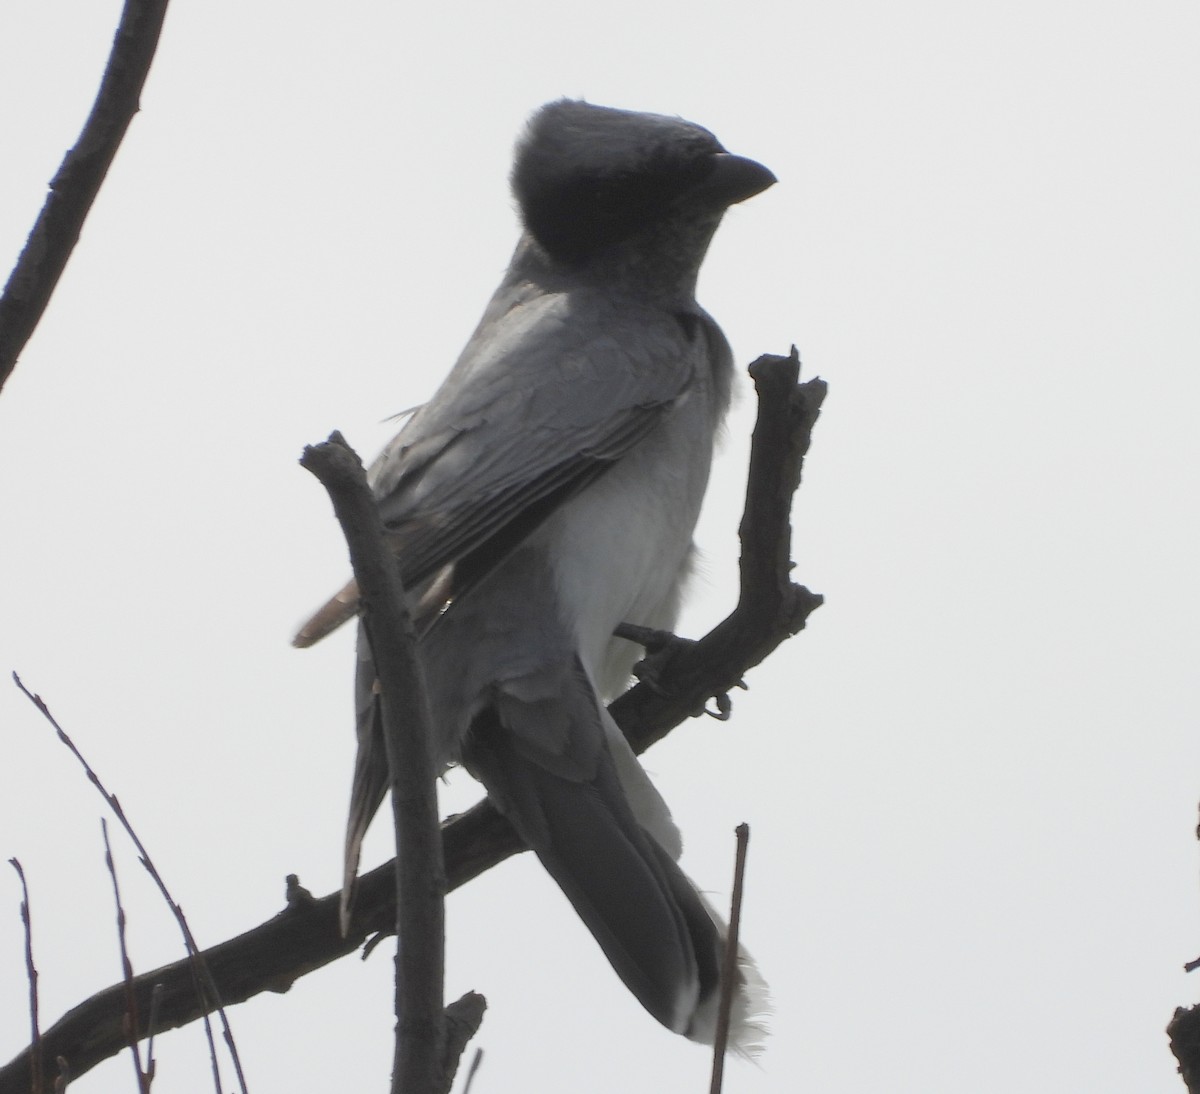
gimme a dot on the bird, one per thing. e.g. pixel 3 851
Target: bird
pixel 547 492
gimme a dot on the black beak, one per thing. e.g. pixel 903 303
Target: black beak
pixel 735 178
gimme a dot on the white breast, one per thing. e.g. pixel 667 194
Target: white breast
pixel 621 547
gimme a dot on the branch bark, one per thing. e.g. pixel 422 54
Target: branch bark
pixel 74 188
pixel 305 936
pixel 408 734
pixel 1183 1032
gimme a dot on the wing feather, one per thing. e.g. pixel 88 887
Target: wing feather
pixel 532 413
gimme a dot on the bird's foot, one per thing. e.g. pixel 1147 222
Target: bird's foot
pixel 660 647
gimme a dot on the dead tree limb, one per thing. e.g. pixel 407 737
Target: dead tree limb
pixel 305 936
pixel 1183 1033
pixel 420 874
pixel 74 188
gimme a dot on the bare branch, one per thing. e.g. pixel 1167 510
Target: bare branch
pixel 1184 1033
pixel 729 962
pixel 199 980
pixel 131 1023
pixel 770 607
pixel 36 1071
pixel 305 935
pixel 73 189
pixel 408 735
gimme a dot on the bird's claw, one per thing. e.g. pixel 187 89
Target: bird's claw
pixel 371 943
pixel 660 647
pixel 724 707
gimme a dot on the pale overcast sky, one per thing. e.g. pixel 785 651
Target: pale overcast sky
pixel 972 782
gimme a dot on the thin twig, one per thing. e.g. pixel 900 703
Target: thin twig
pixel 75 186
pixel 152 1028
pixel 729 964
pixel 476 1060
pixel 131 1022
pixel 36 1079
pixel 204 985
pixel 408 736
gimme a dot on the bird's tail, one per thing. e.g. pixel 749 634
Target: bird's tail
pixel 658 933
pixel 371 777
pixel 750 1004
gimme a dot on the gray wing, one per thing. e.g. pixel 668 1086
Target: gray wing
pixel 543 400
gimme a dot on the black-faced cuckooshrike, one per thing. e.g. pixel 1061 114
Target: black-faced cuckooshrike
pixel 547 492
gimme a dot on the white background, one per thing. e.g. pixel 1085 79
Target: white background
pixel 972 782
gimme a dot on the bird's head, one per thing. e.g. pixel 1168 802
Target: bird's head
pixel 591 181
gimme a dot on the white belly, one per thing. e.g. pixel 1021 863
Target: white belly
pixel 621 548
